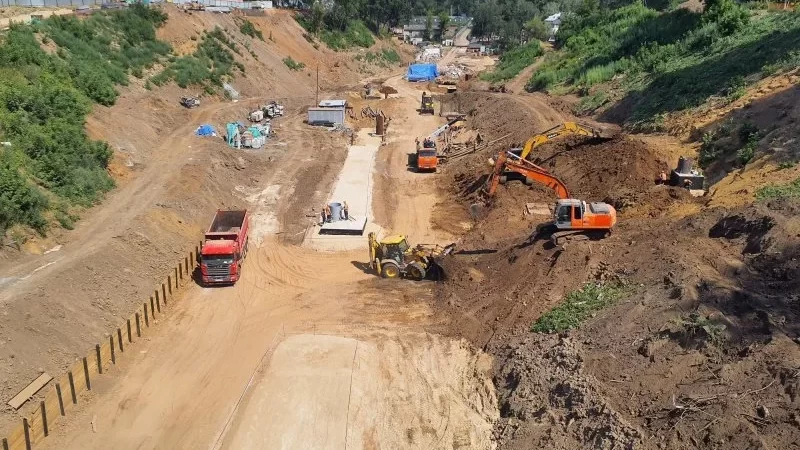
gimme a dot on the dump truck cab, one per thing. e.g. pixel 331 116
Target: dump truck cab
pixel 427 156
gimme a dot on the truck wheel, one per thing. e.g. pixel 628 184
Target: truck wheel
pixel 415 272
pixel 390 270
pixel 503 179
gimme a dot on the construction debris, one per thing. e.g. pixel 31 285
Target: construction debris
pixel 190 102
pixel 239 135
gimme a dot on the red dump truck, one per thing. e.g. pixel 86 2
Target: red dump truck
pixel 224 247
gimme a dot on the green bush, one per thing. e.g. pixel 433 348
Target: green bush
pixel 292 64
pixel 20 202
pixel 390 56
pixel 578 306
pixel 44 100
pixel 210 64
pixel 791 190
pixel 247 28
pixel 356 34
pixel 664 62
pixel 514 61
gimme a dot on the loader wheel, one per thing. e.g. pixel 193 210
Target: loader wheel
pixel 390 270
pixel 503 179
pixel 415 272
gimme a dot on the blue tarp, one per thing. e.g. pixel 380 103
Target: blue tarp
pixel 205 130
pixel 422 72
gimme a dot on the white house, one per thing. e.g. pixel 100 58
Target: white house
pixel 553 22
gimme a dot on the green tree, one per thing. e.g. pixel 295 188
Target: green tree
pixel 444 22
pixel 317 18
pixel 429 25
pixel 537 29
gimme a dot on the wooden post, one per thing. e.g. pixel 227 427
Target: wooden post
pixel 188 267
pixel 138 327
pixel 86 374
pixel 5 444
pixel 119 340
pixel 130 336
pixel 158 302
pixel 111 342
pixel 44 418
pixel 180 271
pixel 26 429
pixel 72 388
pixel 146 320
pixel 99 361
pixel 152 308
pixel 164 293
pixel 169 283
pixel 60 399
pixel 176 276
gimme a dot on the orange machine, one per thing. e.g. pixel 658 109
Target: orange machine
pixel 570 216
pixel 427 157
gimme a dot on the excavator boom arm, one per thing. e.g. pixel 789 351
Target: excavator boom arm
pixel 526 169
pixel 556 131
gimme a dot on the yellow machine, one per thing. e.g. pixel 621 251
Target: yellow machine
pixel 552 133
pixel 426 106
pixel 393 257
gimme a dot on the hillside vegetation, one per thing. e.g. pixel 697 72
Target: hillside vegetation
pixel 514 61
pixel 643 64
pixel 48 165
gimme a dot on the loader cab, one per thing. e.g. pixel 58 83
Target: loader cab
pixel 394 247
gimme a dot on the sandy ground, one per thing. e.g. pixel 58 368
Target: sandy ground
pixel 305 341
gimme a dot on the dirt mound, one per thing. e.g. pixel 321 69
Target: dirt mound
pixel 598 168
pixel 549 402
pixel 701 354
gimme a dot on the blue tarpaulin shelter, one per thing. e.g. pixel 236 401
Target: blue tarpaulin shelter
pixel 422 72
pixel 205 130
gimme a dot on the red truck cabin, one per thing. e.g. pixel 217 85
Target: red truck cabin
pixel 224 248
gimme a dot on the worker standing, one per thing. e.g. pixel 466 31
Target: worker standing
pixel 327 213
pixel 662 178
pixel 345 211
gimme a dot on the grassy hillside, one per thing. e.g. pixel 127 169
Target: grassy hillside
pixel 50 75
pixel 642 64
pixel 514 61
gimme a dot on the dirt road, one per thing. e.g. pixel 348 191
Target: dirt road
pixel 307 351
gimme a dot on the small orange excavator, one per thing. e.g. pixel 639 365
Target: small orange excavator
pixel 570 216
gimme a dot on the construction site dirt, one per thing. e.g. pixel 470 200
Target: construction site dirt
pixel 310 349
pixel 699 349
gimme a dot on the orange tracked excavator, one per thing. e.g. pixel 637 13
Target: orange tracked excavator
pixel 571 217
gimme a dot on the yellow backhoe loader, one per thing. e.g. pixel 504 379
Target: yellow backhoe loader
pixel 559 130
pixel 393 257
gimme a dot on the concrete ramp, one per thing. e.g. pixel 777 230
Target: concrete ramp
pixel 354 186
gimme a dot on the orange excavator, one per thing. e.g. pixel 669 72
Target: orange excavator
pixel 570 216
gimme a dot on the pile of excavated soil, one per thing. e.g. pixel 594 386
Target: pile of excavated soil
pixel 702 353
